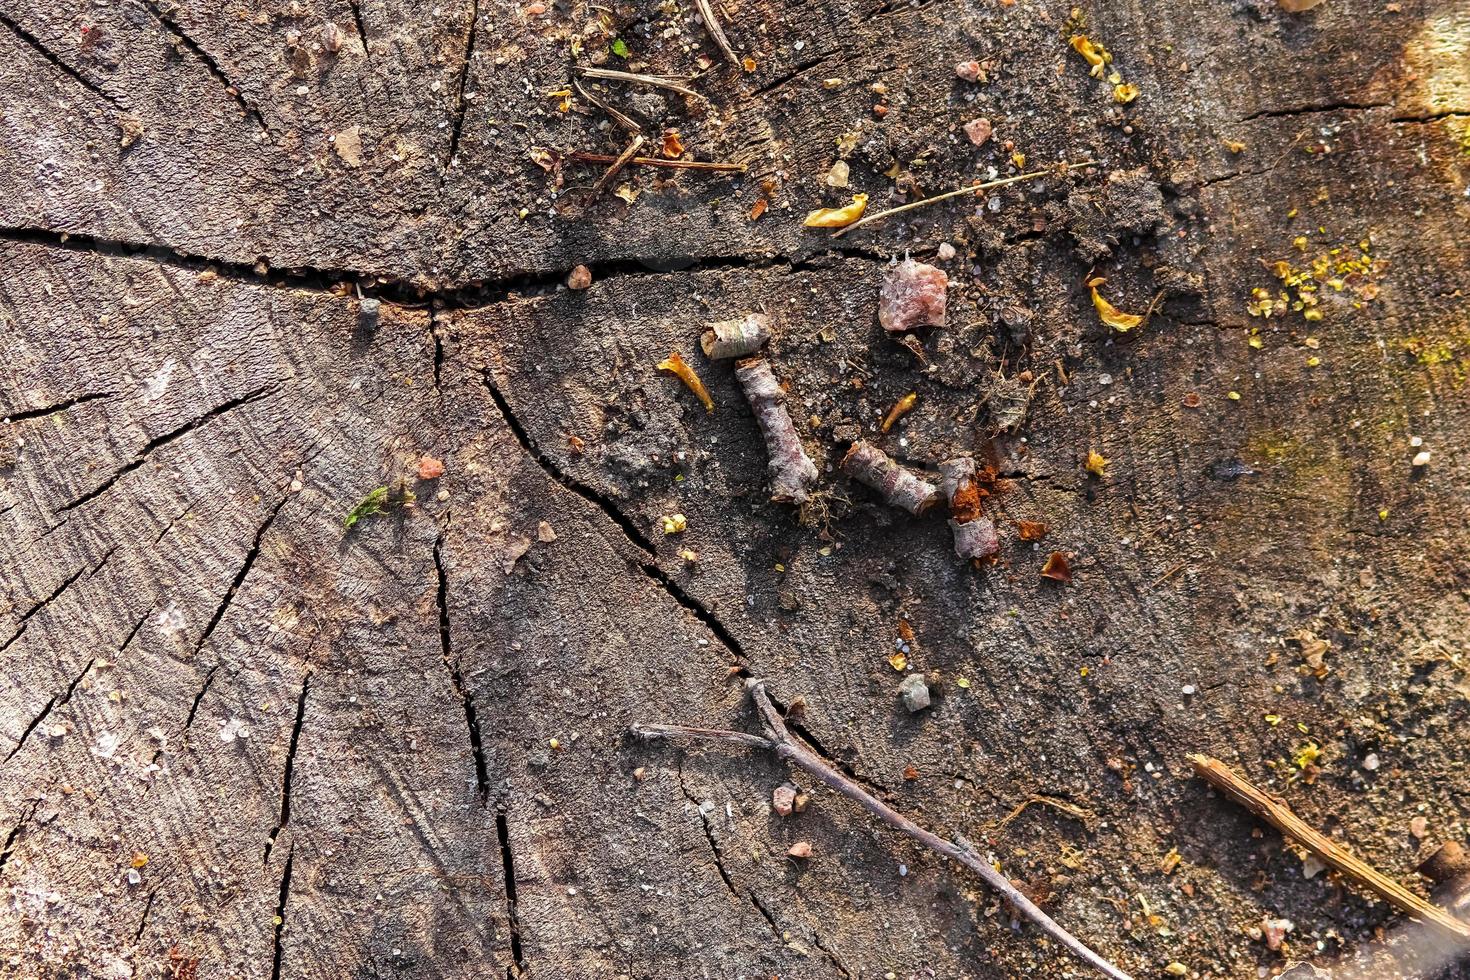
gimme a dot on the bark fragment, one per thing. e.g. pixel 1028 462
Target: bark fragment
pixel 870 465
pixel 791 471
pixel 974 533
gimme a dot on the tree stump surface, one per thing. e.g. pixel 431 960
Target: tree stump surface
pixel 240 741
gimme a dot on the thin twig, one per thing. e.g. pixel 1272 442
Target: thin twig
pixel 973 188
pixel 780 741
pixel 586 157
pixel 674 83
pixel 707 11
pixel 622 120
pixel 1275 812
pixel 617 165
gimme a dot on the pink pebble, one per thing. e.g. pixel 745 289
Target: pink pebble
pixel 970 71
pixel 978 130
pixel 913 295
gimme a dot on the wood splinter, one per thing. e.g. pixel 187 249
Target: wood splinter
pixel 791 470
pixel 974 533
pixel 735 338
pixel 868 464
pixel 1275 812
pixel 780 741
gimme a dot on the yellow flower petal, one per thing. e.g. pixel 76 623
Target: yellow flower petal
pixel 1111 315
pixel 838 217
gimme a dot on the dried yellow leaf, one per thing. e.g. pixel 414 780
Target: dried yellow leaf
pixel 899 408
pixel 1125 92
pixel 1111 315
pixel 674 523
pixel 681 369
pixel 838 217
pixel 898 661
pixel 1096 463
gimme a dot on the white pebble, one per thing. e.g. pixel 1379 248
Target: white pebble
pixel 1422 458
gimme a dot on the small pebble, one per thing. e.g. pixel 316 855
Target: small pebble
pixel 946 251
pixel 1370 762
pixel 801 849
pixel 783 799
pixel 915 693
pixel 1419 827
pixel 580 278
pixel 1422 458
pixel 1415 442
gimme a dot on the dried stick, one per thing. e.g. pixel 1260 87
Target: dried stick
pixel 622 119
pixel 586 157
pixel 791 470
pixel 618 164
pixel 779 741
pixel 673 83
pixel 707 11
pixel 973 188
pixel 1275 812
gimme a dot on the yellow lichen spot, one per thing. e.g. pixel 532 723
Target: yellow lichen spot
pixel 1383 513
pixel 689 554
pixel 1096 463
pixel 1300 242
pixel 1019 159
pixel 1273 720
pixel 1314 361
pixel 898 661
pixel 674 523
pixel 1292 213
pixel 1312 314
pixel 838 217
pixel 1125 92
pixel 748 63
pixel 1254 342
pixel 1083 671
pixel 1233 395
pixel 680 368
pixel 139 859
pixel 963 682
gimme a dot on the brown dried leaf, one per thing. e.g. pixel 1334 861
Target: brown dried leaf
pixel 1057 568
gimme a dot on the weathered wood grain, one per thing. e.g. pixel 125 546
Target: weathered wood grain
pixel 336 749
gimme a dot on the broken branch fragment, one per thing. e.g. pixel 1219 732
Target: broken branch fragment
pixel 729 168
pixel 913 295
pixel 712 23
pixel 778 739
pixel 974 533
pixel 680 368
pixel 735 338
pixel 1275 812
pixel 672 83
pixel 870 465
pixel 791 471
